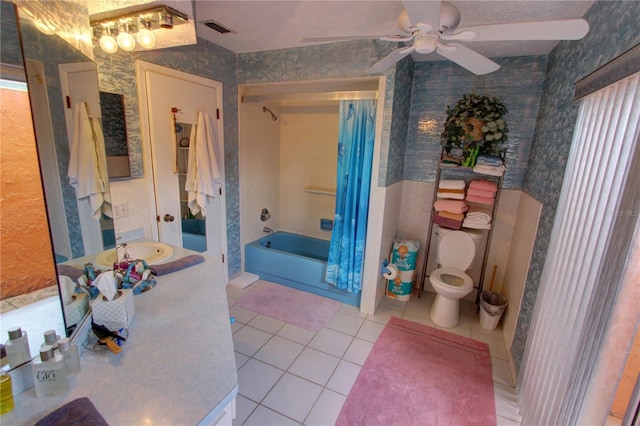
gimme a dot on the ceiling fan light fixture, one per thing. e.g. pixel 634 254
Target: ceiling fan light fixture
pixel 426 43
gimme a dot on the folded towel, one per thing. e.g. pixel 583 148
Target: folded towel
pixel 476 225
pixel 479 213
pixel 176 265
pixel 488 160
pixel 452 195
pixel 453 206
pixel 449 215
pixel 477 220
pixel 450 161
pixel 477 199
pixel 79 412
pixel 446 222
pixel 481 193
pixel 451 184
pixel 484 185
pixel 489 170
pixel 70 271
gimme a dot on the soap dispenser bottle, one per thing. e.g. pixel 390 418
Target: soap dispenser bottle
pixel 17 347
pixel 49 373
pixel 70 354
pixel 50 339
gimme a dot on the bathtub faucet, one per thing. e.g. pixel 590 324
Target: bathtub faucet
pixel 267 230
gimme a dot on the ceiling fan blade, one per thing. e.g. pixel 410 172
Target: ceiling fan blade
pixel 423 12
pixel 389 60
pixel 347 38
pixel 467 58
pixel 567 29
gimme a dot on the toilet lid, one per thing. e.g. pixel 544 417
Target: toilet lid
pixel 456 250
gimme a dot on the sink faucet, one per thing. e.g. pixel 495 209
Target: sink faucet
pixel 125 255
pixel 267 230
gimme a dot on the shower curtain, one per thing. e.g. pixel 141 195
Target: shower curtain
pixel 355 157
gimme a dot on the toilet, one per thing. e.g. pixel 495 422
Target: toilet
pixel 455 253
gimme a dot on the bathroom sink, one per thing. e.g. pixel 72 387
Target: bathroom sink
pixel 149 251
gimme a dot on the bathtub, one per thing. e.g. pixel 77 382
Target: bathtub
pixel 295 261
pixel 194 234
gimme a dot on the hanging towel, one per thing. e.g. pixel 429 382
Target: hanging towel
pixel 87 162
pixel 451 184
pixel 203 173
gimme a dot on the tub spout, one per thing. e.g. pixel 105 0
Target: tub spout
pixel 267 230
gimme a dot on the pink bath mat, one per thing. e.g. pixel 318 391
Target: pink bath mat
pixel 306 310
pixel 419 375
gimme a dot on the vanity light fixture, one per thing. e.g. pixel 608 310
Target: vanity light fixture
pixel 145 23
pixel 107 41
pixel 125 39
pixel 145 36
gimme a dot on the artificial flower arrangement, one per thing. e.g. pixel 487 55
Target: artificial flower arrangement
pixel 475 126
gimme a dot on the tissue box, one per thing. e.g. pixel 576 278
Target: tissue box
pixel 75 311
pixel 115 314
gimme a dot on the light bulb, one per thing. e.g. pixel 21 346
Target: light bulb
pixel 126 41
pixel 108 44
pixel 146 38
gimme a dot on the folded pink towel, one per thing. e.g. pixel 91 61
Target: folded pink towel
pixel 483 185
pixel 481 193
pixel 446 222
pixel 478 199
pixel 452 206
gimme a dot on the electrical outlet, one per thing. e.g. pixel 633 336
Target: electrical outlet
pixel 120 210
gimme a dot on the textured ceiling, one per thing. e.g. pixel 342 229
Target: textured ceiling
pixel 267 25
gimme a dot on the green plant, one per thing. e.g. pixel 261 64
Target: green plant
pixel 476 121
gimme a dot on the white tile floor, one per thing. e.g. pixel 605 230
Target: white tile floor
pixel 290 376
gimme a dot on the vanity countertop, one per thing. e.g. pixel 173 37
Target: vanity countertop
pixel 176 366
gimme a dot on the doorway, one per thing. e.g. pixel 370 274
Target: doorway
pixel 170 103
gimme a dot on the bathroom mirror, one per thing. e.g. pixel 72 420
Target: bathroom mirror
pixel 43 54
pixel 115 134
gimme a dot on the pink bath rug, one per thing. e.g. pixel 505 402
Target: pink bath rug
pixel 306 310
pixel 419 375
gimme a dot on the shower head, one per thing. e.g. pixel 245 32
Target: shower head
pixel 273 116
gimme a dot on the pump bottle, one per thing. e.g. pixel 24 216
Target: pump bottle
pixel 17 347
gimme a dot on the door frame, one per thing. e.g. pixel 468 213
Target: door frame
pixel 141 69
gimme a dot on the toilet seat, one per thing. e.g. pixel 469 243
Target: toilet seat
pixel 452 278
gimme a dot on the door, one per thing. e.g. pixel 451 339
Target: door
pixel 173 100
pixel 79 83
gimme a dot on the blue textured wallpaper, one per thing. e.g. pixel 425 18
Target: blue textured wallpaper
pixel 10 52
pixel 440 84
pixel 613 30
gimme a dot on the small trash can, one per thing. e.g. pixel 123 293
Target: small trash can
pixel 493 305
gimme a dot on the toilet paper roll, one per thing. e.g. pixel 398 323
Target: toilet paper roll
pixel 393 272
pixel 407 276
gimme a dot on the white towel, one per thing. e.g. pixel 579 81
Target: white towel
pixel 86 174
pixel 489 170
pixel 441 194
pixel 203 173
pixel 451 184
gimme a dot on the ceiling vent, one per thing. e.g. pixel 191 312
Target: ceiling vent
pixel 218 27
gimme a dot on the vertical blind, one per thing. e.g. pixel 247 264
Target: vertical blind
pixel 566 330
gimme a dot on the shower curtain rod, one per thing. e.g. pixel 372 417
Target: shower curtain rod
pixel 312 96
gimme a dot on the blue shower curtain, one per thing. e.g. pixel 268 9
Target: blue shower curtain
pixel 355 157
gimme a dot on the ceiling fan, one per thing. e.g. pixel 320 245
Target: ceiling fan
pixel 428 24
